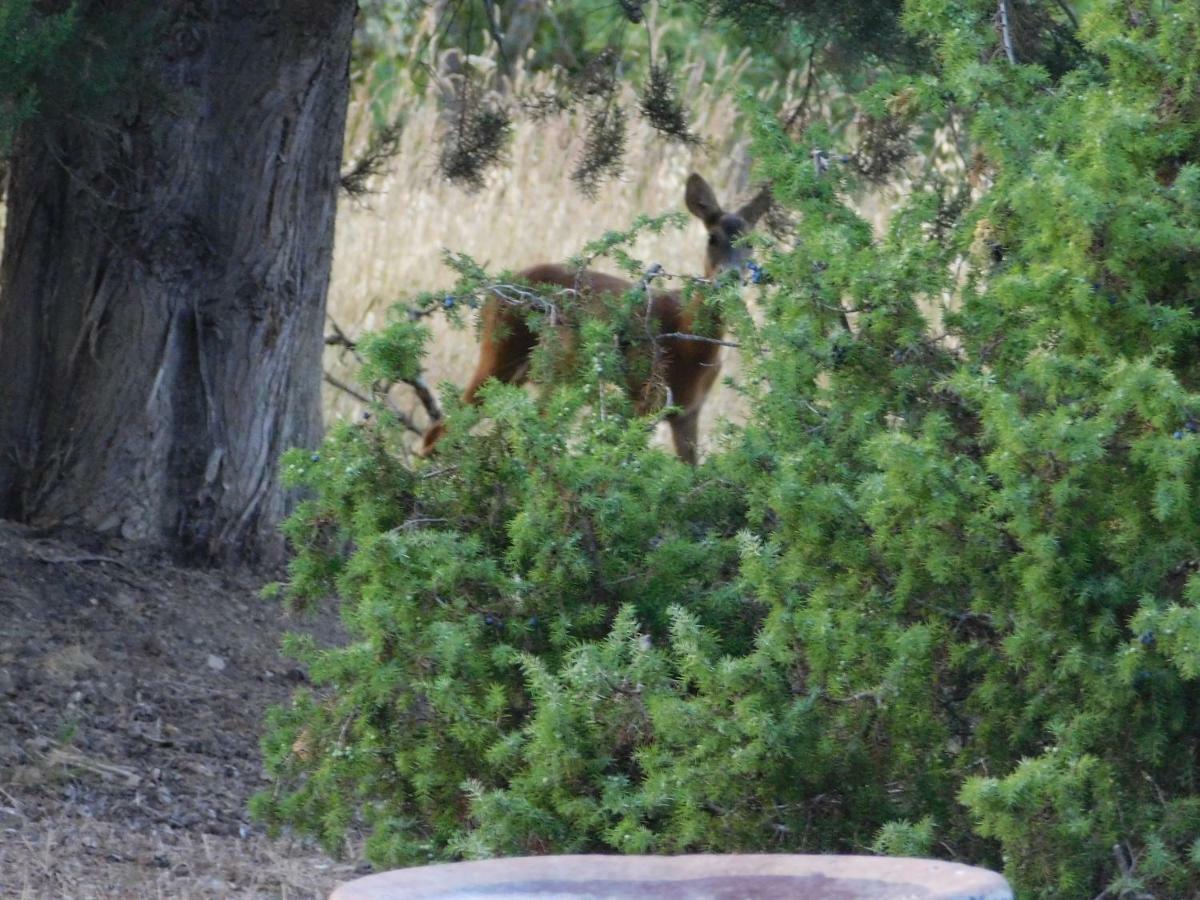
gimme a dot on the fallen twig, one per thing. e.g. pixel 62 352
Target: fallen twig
pixel 80 558
pixel 60 757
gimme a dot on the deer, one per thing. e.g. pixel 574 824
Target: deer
pixel 688 364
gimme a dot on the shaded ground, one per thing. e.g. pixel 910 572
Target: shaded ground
pixel 131 699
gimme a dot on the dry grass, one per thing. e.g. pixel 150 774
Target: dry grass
pixel 77 857
pixel 528 211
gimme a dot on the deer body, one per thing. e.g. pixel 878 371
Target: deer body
pixel 688 368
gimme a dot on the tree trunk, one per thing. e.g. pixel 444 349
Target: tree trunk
pixel 162 292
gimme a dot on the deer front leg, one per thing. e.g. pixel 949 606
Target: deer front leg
pixel 504 348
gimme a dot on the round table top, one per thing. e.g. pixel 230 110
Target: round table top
pixel 727 877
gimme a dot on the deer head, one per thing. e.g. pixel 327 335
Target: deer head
pixel 724 228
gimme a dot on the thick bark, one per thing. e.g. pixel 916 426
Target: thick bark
pixel 163 284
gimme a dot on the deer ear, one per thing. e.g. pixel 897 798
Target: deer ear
pixel 701 201
pixel 757 206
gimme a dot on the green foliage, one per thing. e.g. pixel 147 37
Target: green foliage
pixel 865 31
pixel 30 42
pixel 1057 814
pixel 938 595
pixel 903 838
pixel 80 66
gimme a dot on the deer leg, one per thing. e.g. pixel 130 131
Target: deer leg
pixel 504 347
pixel 684 430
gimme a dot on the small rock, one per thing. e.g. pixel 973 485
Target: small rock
pixel 216 663
pixel 66 664
pixel 153 645
pixel 7 684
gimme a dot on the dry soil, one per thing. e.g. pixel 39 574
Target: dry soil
pixel 132 695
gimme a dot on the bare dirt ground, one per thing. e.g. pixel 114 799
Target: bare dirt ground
pixel 132 695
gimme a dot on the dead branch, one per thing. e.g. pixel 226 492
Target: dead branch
pixel 1006 32
pixel 401 416
pixel 680 336
pixel 426 396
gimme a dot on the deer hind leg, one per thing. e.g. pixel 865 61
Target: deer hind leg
pixel 685 428
pixel 504 347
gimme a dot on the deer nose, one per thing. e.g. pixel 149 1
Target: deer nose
pixel 743 263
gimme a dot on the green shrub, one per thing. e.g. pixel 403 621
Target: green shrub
pixel 938 595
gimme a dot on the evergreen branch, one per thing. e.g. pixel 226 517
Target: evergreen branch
pixel 373 161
